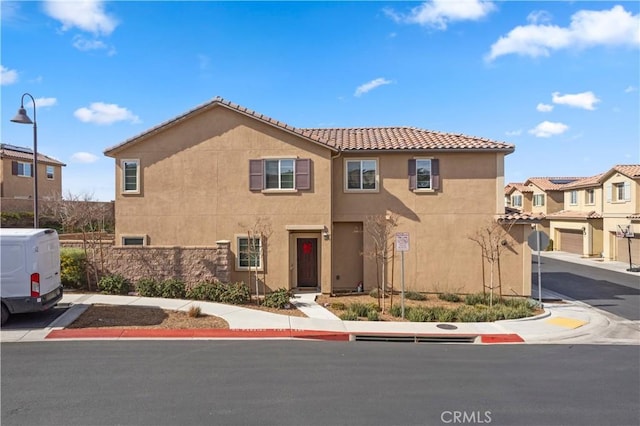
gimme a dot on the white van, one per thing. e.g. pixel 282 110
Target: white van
pixel 29 270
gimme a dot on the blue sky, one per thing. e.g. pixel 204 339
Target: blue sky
pixel 557 79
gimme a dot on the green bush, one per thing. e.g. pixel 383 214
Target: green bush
pixel 442 314
pixel 173 288
pixel 338 306
pixel 349 316
pixel 207 290
pixel 235 293
pixel 359 309
pixel 373 316
pixel 418 314
pixel 470 314
pixel 481 299
pixel 114 284
pixel 396 311
pixel 73 268
pixel 449 297
pixel 414 295
pixel 277 299
pixel 148 287
pixel 374 293
pixel 514 302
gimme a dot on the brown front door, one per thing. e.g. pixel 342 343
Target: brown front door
pixel 307 254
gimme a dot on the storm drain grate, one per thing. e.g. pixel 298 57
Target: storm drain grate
pixel 400 338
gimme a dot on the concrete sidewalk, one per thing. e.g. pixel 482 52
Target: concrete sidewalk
pixel 594 262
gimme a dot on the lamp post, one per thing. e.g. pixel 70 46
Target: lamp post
pixel 22 118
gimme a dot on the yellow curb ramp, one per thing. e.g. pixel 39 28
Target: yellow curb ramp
pixel 566 322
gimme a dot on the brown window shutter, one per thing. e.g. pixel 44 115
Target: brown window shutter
pixel 255 175
pixel 14 168
pixel 303 173
pixel 32 167
pixel 435 174
pixel 412 175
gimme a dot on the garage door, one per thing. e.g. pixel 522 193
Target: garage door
pixel 570 240
pixel 622 252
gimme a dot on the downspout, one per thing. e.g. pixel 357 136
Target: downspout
pixel 332 157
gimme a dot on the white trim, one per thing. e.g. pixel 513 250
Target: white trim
pixel 304 227
pixel 145 241
pixel 346 175
pixel 260 268
pixel 123 173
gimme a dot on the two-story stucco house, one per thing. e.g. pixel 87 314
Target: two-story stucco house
pixel 217 170
pixel 594 208
pixel 16 174
pixel 518 196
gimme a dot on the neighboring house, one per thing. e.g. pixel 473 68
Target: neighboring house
pixel 547 193
pixel 518 196
pixel 594 208
pixel 220 169
pixel 16 171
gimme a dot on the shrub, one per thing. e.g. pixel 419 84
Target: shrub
pixel 207 290
pixel 338 306
pixel 414 295
pixel 470 314
pixel 449 297
pixel 396 311
pixel 277 299
pixel 349 316
pixel 148 287
pixel 194 311
pixel 359 309
pixel 442 314
pixel 374 293
pixel 373 316
pixel 235 293
pixel 516 302
pixel 173 288
pixel 481 299
pixel 418 314
pixel 73 268
pixel 114 284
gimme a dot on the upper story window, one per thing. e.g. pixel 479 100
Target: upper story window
pixel 590 196
pixel 573 197
pixel 538 200
pixel 249 253
pixel 279 174
pixel 20 168
pixel 50 172
pixel 424 174
pixel 131 176
pixel 621 192
pixel 516 200
pixel 361 175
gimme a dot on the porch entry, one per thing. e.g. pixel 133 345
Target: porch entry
pixel 305 259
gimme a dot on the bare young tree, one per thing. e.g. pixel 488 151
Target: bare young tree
pixel 257 242
pixel 381 230
pixel 493 239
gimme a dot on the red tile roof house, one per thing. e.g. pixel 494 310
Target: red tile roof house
pixel 212 174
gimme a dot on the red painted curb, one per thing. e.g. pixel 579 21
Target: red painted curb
pixel 501 338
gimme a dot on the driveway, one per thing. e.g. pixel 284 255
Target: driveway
pixel 34 320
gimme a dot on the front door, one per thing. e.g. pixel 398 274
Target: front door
pixel 307 259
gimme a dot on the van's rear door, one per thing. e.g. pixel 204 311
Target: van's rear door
pixel 48 262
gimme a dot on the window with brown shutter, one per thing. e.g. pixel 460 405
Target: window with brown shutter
pixel 424 174
pixel 279 174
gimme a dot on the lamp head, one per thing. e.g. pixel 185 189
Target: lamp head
pixel 22 117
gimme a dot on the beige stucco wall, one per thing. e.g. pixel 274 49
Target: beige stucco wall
pixel 620 208
pixel 592 239
pixel 581 204
pixel 22 186
pixel 195 190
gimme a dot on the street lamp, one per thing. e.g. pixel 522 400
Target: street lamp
pixel 22 118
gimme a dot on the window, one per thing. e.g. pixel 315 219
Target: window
pixel 573 197
pixel 424 174
pixel 516 200
pixel 19 168
pixel 538 200
pixel 621 192
pixel 361 175
pixel 590 196
pixel 279 174
pixel 130 176
pixel 50 171
pixel 133 241
pixel 249 253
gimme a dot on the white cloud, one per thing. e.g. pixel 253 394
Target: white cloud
pixel 84 157
pixel 367 87
pixel 83 44
pixel 438 13
pixel 44 102
pixel 101 113
pixel 544 107
pixel 539 16
pixel 514 132
pixel 7 76
pixel 615 27
pixel 547 129
pixel 630 89
pixel 86 15
pixel 584 100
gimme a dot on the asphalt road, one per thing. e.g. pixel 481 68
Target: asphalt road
pixel 34 320
pixel 317 383
pixel 614 292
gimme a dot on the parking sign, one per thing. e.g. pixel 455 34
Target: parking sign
pixel 402 241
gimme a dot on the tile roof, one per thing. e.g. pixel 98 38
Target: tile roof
pixel 518 186
pixel 551 183
pixel 20 153
pixel 514 215
pixel 348 139
pixel 587 182
pixel 574 214
pixel 631 170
